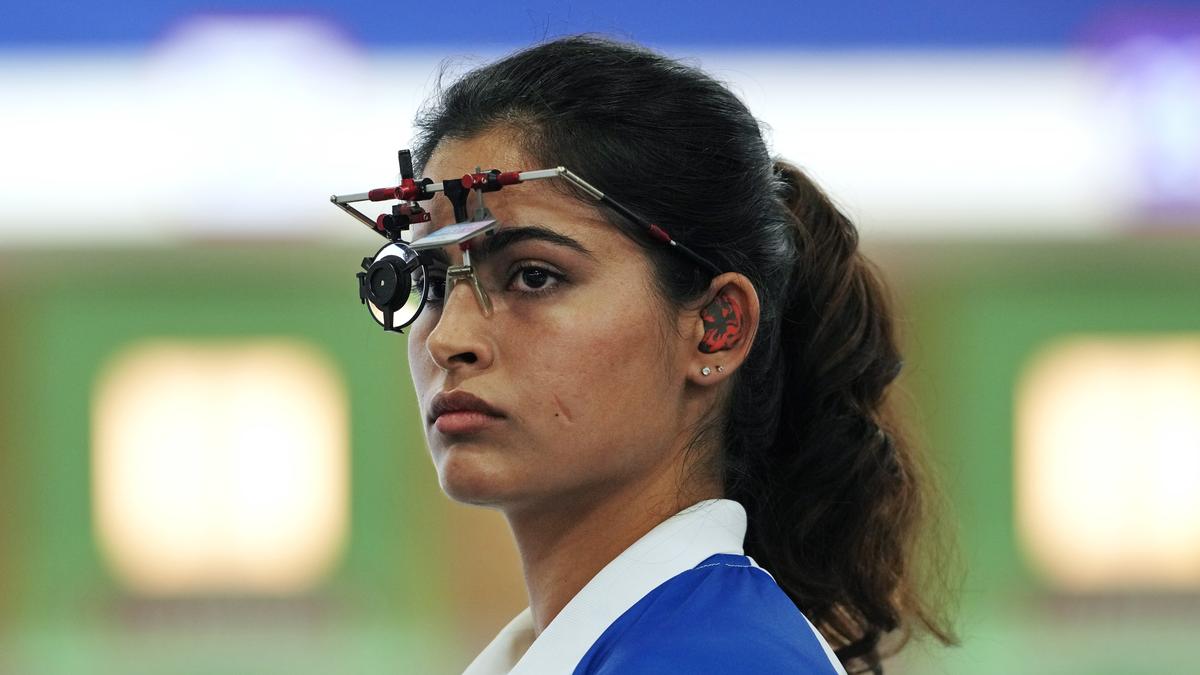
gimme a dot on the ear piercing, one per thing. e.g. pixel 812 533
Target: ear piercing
pixel 706 371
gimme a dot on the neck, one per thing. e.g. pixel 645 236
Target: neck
pixel 562 548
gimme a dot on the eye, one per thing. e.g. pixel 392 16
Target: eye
pixel 435 288
pixel 534 279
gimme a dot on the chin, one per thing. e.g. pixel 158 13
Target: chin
pixel 471 477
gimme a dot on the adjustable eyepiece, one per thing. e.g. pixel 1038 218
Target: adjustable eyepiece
pixel 393 286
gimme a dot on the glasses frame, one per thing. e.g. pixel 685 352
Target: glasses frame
pixel 411 191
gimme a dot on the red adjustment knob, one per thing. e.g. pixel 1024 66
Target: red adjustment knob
pixel 491 181
pixel 381 222
pixel 411 213
pixel 409 190
pixel 382 194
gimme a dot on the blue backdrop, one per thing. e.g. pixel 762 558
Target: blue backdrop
pixel 710 23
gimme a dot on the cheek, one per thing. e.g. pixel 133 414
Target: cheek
pixel 595 370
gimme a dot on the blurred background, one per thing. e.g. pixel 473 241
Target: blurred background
pixel 209 458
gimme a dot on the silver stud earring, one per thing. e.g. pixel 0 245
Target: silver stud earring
pixel 720 369
pixel 706 371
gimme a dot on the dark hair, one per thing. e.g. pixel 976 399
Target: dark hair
pixel 833 494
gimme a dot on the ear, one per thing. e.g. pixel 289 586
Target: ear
pixel 723 328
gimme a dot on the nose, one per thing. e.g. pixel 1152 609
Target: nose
pixel 460 339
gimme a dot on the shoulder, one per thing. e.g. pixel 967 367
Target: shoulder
pixel 723 616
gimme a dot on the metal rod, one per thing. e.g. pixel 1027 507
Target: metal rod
pixel 540 173
pixel 347 199
pixel 581 183
pixel 356 213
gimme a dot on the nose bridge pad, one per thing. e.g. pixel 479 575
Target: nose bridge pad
pixel 457 273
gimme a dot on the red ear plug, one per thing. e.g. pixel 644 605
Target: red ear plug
pixel 722 324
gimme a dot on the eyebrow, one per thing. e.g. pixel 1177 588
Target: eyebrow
pixel 504 237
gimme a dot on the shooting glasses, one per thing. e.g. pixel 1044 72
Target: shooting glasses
pixel 398 280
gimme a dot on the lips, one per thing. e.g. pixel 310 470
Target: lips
pixel 462 412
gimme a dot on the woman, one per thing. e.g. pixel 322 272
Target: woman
pixel 694 459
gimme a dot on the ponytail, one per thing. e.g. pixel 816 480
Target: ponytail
pixel 835 512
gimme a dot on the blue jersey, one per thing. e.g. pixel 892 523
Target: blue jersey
pixel 725 615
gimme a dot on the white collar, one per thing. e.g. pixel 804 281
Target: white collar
pixel 676 545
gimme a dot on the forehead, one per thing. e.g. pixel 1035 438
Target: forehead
pixel 494 149
pixel 538 202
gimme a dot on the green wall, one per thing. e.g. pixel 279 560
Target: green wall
pixel 977 314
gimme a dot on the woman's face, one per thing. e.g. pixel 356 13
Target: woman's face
pixel 579 359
